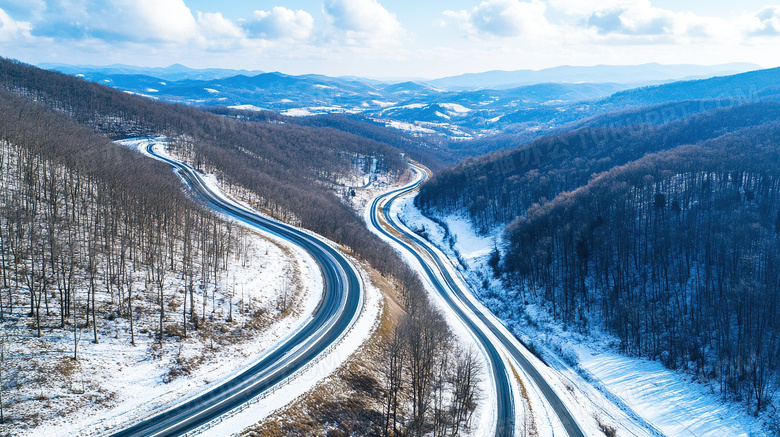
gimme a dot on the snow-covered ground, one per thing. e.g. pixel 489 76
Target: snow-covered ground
pixel 308 378
pixel 135 377
pixel 317 110
pixel 247 108
pixel 637 396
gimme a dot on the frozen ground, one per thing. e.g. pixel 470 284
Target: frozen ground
pixel 638 396
pixel 136 374
pixel 134 377
pixel 305 380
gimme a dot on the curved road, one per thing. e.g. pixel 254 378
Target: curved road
pixel 456 299
pixel 340 305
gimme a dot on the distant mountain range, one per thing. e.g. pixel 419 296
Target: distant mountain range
pixel 623 74
pixel 173 72
pixel 428 108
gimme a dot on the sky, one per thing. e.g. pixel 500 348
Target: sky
pixel 389 38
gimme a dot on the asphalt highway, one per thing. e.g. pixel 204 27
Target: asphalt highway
pixel 341 303
pixel 456 298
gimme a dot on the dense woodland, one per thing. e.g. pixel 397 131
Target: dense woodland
pixel 75 206
pixel 667 235
pixel 428 151
pixel 292 169
pixel 82 216
pixel 677 254
pixel 494 189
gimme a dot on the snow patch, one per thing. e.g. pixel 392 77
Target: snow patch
pixel 317 110
pixel 382 104
pixel 455 107
pixel 409 127
pixel 247 108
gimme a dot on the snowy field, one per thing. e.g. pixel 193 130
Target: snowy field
pixel 637 396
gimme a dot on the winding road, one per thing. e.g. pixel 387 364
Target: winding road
pixel 342 302
pixel 484 329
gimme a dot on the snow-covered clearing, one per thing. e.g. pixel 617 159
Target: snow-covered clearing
pixel 247 108
pixel 455 108
pixel 383 104
pixel 637 396
pixel 409 127
pixel 317 110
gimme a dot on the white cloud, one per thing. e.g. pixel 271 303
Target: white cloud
pixel 215 26
pixel 640 19
pixel 280 22
pixel 167 20
pixel 362 21
pixel 11 29
pixel 765 22
pixel 503 18
pixel 117 20
pixel 586 7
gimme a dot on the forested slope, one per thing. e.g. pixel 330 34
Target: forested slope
pixel 92 235
pixel 427 151
pixel 292 169
pixel 493 189
pixel 666 235
pixel 677 254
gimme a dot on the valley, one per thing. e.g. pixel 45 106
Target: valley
pixel 351 248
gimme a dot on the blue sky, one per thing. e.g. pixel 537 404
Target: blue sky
pixel 389 38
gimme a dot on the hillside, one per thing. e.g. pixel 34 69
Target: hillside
pixel 100 245
pixel 676 254
pixel 494 189
pixel 124 244
pixel 657 104
pixel 433 114
pixel 663 234
pixel 295 171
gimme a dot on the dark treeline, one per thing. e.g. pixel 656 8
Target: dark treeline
pixel 494 189
pixel 79 215
pixel 428 152
pixel 677 254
